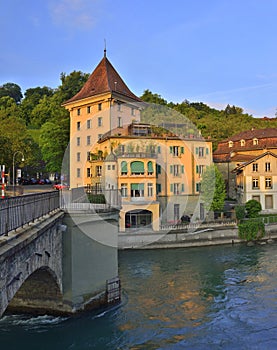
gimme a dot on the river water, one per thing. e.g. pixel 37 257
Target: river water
pixel 221 297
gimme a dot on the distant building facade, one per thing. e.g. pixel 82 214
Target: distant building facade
pixel 257 179
pixel 242 148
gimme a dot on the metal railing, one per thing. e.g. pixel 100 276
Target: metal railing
pixel 17 211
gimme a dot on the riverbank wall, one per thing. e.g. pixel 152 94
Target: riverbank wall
pixel 182 238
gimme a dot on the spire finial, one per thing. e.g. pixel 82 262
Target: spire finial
pixel 105 50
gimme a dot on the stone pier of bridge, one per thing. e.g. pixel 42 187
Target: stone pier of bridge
pixel 63 263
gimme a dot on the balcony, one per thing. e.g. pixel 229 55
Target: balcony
pixel 137 155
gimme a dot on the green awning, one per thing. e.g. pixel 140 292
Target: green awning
pixel 137 187
pixel 150 167
pixel 137 167
pixel 124 167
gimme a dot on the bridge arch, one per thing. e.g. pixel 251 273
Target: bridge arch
pixel 39 293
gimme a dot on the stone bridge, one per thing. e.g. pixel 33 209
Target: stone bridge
pixel 55 266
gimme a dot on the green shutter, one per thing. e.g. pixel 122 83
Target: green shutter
pixel 150 167
pixel 182 169
pixel 207 151
pixel 137 167
pixel 182 150
pixel 197 150
pixel 171 149
pixel 159 149
pixel 197 169
pixel 171 169
pixel 183 188
pixel 124 167
pixel 134 186
pixel 171 187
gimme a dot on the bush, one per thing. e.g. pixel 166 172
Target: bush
pixel 240 212
pixel 251 230
pixel 97 198
pixel 253 208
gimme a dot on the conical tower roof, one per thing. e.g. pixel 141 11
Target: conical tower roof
pixel 102 80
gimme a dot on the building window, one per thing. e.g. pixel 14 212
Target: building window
pixel 230 143
pixel 255 167
pixel 255 183
pixel 137 168
pixel 108 167
pixel 198 187
pixel 113 167
pixel 119 107
pixel 79 111
pixel 88 172
pixel 158 188
pixel 88 109
pixel 88 140
pixel 132 111
pixel 201 152
pixel 78 156
pixel 99 136
pixel 100 121
pixel 119 122
pixel 158 169
pixel 88 155
pixel 78 125
pixel 268 182
pixel 267 166
pixel 176 150
pixel 78 141
pixel 158 149
pixel 99 106
pixel 78 172
pixel 242 142
pixel 124 190
pixel 150 190
pixel 255 142
pixel 176 212
pixel 98 170
pixel 150 169
pixel 174 188
pixel 88 124
pixel 124 168
pixel 268 202
pixel 200 169
pixel 257 198
pixel 137 190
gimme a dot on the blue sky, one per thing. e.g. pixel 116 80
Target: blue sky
pixel 211 51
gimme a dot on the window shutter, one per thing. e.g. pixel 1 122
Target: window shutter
pixel 159 149
pixel 207 151
pixel 171 187
pixel 182 169
pixel 197 150
pixel 182 150
pixel 171 169
pixel 183 188
pixel 170 149
pixel 197 169
pixel 124 167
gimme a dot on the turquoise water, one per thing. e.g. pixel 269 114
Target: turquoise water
pixel 197 298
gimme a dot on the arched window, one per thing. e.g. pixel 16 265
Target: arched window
pixel 242 142
pixel 124 168
pixel 230 144
pixel 255 142
pixel 137 168
pixel 150 169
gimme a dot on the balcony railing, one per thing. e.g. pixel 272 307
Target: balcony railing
pixel 137 155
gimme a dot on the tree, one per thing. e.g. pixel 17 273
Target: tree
pixel 253 208
pixel 213 189
pixel 12 90
pixel 149 97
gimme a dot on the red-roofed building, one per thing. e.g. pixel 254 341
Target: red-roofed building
pixel 242 148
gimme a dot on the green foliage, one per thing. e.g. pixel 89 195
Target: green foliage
pixel 149 97
pixel 251 229
pixel 213 191
pixel 253 208
pixel 12 90
pixel 240 212
pixel 97 198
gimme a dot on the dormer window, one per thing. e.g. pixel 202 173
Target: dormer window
pixel 242 142
pixel 255 142
pixel 231 143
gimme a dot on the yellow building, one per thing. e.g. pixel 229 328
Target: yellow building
pixel 103 104
pixel 157 175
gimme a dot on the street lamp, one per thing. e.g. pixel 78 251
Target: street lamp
pixel 13 168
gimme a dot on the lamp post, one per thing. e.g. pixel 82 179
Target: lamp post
pixel 14 169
